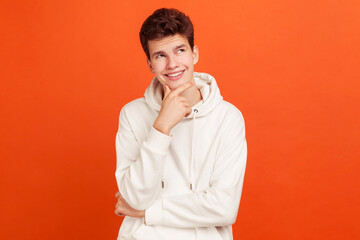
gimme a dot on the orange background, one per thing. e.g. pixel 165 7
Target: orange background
pixel 291 67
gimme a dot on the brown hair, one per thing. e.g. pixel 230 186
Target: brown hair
pixel 166 22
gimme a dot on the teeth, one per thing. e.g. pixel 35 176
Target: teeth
pixel 175 74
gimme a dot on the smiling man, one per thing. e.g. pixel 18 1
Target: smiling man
pixel 181 150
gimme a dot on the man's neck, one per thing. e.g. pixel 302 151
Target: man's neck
pixel 192 94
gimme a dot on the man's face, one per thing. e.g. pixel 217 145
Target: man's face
pixel 172 60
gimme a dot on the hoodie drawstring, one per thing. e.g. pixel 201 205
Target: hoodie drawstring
pixel 192 151
pixel 192 155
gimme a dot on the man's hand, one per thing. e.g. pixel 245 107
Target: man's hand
pixel 122 208
pixel 173 108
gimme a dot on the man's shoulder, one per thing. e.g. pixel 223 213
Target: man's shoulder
pixel 136 109
pixel 134 104
pixel 229 109
pixel 232 120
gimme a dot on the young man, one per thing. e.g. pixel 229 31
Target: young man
pixel 181 150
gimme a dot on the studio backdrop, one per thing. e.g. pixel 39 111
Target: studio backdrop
pixel 291 67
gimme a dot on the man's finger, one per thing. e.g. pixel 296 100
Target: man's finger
pixel 188 111
pixel 166 90
pixel 117 194
pixel 183 99
pixel 182 88
pixel 118 213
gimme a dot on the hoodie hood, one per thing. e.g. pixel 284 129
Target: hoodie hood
pixel 204 82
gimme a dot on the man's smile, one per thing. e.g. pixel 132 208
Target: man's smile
pixel 174 75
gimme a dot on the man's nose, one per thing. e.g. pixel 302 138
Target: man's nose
pixel 172 62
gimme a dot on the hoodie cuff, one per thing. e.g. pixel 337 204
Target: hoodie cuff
pixel 158 141
pixel 154 215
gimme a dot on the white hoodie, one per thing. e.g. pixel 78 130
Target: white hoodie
pixel 190 182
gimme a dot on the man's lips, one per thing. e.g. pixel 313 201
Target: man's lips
pixel 174 74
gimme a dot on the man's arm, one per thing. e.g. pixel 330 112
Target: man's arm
pixel 122 208
pixel 140 166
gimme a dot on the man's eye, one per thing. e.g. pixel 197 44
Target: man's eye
pixel 181 50
pixel 160 56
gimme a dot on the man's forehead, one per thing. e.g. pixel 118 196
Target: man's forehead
pixel 168 43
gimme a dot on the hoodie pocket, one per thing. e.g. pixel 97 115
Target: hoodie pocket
pixel 206 233
pixel 216 233
pixel 139 233
pixel 128 227
pixel 145 232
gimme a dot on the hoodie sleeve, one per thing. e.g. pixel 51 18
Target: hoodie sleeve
pixel 218 205
pixel 139 165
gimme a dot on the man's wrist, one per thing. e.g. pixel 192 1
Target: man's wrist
pixel 161 128
pixel 142 213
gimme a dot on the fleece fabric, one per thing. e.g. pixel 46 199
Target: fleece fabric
pixel 188 183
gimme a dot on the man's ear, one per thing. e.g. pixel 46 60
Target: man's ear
pixel 149 65
pixel 195 54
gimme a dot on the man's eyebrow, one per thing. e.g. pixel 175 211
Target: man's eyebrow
pixel 180 46
pixel 162 52
pixel 157 53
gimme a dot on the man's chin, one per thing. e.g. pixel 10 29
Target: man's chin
pixel 175 85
